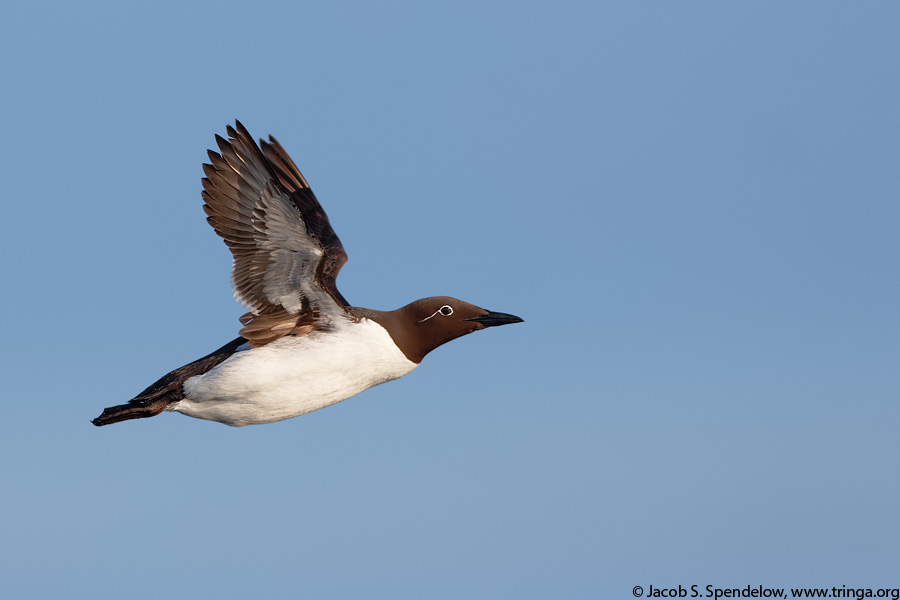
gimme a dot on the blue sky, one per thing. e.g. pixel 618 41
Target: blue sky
pixel 694 206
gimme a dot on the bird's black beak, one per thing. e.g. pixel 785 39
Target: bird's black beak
pixel 493 319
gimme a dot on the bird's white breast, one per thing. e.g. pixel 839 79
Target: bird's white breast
pixel 294 375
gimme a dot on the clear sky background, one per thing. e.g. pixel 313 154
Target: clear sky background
pixel 694 206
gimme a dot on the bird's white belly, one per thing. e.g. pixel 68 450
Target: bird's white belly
pixel 294 375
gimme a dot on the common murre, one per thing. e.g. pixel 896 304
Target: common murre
pixel 302 346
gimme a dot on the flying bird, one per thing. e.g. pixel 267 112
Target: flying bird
pixel 302 346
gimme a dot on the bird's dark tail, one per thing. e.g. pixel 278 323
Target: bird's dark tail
pixel 167 390
pixel 139 408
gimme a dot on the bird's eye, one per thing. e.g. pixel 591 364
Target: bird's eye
pixel 446 310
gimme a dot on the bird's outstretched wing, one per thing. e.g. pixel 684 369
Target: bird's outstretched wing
pixel 286 255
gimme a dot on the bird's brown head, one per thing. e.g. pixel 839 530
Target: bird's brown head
pixel 423 325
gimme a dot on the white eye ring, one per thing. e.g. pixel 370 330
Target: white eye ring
pixel 446 310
